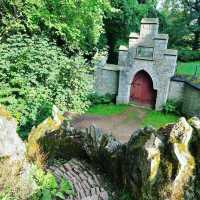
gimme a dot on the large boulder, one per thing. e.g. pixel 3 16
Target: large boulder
pixel 11 144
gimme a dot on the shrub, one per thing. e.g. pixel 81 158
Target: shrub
pixel 35 74
pixel 47 186
pixel 96 99
pixel 188 55
pixel 37 185
pixel 172 107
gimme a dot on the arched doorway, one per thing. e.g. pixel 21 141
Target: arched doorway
pixel 142 91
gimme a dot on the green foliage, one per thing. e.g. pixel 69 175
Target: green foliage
pixel 125 196
pixel 181 20
pixel 119 24
pixel 35 74
pixel 48 188
pixel 96 99
pixel 172 107
pixel 188 55
pixel 78 25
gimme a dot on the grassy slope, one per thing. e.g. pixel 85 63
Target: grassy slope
pixel 156 119
pixel 188 68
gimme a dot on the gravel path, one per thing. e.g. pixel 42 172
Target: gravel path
pixel 121 126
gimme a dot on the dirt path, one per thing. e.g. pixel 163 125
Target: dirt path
pixel 121 126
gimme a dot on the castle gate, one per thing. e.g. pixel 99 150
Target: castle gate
pixel 142 91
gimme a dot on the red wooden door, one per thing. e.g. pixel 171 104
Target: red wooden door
pixel 142 89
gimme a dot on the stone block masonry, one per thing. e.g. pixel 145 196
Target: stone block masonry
pixel 187 93
pixel 147 53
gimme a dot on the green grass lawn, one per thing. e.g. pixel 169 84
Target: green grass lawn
pixel 107 109
pixel 158 119
pixel 188 68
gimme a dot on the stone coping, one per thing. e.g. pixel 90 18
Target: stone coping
pixel 186 81
pixel 123 48
pixel 161 37
pixel 150 21
pixel 134 35
pixel 171 52
pixel 112 67
pixel 144 58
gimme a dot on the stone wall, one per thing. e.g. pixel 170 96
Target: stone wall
pixel 176 90
pixel 187 93
pixel 107 80
pixel 191 101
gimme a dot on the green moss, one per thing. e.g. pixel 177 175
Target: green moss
pixel 154 167
pixel 33 145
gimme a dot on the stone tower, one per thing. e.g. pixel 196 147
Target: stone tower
pixel 147 52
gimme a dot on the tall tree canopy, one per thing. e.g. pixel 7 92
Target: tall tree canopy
pixel 119 25
pixel 192 16
pixel 181 21
pixel 77 24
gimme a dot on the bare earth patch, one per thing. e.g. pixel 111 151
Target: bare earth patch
pixel 120 125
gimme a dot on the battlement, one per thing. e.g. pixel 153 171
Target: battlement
pixel 149 27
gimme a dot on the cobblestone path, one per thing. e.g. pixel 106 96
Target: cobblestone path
pixel 86 183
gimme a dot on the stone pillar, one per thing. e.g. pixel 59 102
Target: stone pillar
pixel 124 86
pixel 160 44
pixel 162 93
pixel 171 58
pixel 123 52
pixel 133 44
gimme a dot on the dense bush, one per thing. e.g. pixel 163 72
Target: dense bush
pixel 172 107
pixel 188 55
pixel 35 74
pixel 47 186
pixel 96 99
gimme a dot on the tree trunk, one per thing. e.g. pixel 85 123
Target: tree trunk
pixel 141 1
pixel 196 42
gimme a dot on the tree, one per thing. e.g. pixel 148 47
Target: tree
pixel 119 24
pixel 192 14
pixel 75 25
pixel 182 19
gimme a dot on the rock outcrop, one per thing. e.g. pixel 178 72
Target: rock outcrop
pixel 155 164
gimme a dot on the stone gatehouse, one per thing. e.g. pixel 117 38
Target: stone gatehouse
pixel 144 68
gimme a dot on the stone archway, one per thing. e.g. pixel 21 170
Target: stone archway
pixel 142 90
